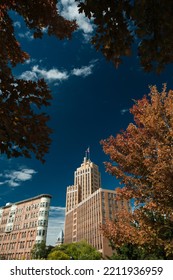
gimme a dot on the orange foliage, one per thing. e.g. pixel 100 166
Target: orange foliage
pixel 142 159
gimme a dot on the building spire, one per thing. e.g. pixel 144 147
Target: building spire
pixel 87 153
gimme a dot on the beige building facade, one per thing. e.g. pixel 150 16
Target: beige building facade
pixel 22 224
pixel 87 210
pixel 87 180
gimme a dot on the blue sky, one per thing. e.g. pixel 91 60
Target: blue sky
pixel 91 101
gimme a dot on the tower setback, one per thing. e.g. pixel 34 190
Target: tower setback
pixel 88 206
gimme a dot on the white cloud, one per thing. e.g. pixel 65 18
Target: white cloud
pixel 55 75
pixel 28 75
pixel 17 24
pixel 123 111
pixel 50 75
pixel 12 183
pixel 55 224
pixel 14 178
pixel 27 35
pixel 30 60
pixel 84 71
pixel 69 10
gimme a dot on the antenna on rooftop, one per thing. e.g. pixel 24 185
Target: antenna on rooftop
pixel 87 153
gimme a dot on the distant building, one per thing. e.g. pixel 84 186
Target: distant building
pixel 22 224
pixel 88 206
pixel 60 238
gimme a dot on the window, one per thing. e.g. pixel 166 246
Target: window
pixel 41 232
pixel 22 244
pixel 40 222
pixel 24 234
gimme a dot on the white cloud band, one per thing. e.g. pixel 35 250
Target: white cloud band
pixel 54 74
pixel 14 178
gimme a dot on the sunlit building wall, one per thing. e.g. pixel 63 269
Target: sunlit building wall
pixel 22 224
pixel 90 208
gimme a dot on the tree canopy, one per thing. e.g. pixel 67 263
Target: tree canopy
pixel 120 23
pixel 58 255
pixel 23 128
pixel 40 251
pixel 142 159
pixel 76 251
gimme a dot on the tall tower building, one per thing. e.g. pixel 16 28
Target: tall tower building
pixel 87 179
pixel 87 207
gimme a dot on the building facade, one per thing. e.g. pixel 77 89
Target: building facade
pixel 87 209
pixel 22 224
pixel 87 180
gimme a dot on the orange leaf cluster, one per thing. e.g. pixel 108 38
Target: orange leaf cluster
pixel 142 159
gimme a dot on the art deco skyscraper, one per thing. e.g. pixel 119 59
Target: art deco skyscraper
pixel 87 180
pixel 87 207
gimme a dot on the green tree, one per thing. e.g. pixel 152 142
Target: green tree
pixel 58 255
pixel 40 250
pixel 120 23
pixel 77 251
pixel 23 128
pixel 130 251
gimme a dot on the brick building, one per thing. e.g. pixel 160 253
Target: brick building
pixel 22 224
